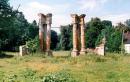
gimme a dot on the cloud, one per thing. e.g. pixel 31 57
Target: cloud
pixel 39 6
pixel 91 4
pixel 31 10
pixel 116 18
pixel 61 12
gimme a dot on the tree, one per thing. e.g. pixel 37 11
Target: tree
pixel 14 28
pixel 122 28
pixel 127 22
pixel 66 37
pixel 93 30
pixel 54 40
pixel 33 30
pixel 107 23
pixel 7 16
pixel 114 41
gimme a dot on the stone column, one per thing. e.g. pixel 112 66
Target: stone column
pixel 41 30
pixel 75 35
pixel 48 35
pixel 82 28
pixel 44 36
pixel 42 26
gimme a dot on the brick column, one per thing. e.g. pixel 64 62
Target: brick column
pixel 82 28
pixel 41 30
pixel 48 34
pixel 75 35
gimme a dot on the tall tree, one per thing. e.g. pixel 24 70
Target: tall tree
pixel 127 22
pixel 32 30
pixel 93 30
pixel 7 16
pixel 66 37
pixel 54 40
pixel 14 28
pixel 107 23
pixel 114 41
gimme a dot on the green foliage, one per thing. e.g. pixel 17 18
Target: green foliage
pixel 128 22
pixel 66 37
pixel 32 30
pixel 127 25
pixel 107 23
pixel 58 77
pixel 54 40
pixel 33 45
pixel 6 25
pixel 14 28
pixel 87 68
pixel 29 73
pixel 94 28
pixel 114 41
pixel 100 37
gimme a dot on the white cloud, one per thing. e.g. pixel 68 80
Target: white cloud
pixel 39 6
pixel 91 4
pixel 59 12
pixel 116 18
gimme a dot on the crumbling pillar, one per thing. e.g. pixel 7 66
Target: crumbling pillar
pixel 42 23
pixel 23 50
pixel 82 29
pixel 100 49
pixel 48 33
pixel 75 35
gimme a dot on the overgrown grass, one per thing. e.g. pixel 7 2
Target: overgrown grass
pixel 62 68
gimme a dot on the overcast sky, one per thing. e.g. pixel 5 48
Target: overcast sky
pixel 114 10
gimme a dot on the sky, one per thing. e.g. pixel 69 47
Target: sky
pixel 114 10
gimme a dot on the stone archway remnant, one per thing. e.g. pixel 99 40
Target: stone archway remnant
pixel 100 49
pixel 45 22
pixel 78 23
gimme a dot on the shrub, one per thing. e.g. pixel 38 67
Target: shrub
pixel 58 77
pixel 29 73
pixel 33 45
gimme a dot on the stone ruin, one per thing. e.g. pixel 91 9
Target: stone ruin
pixel 79 34
pixel 78 31
pixel 23 50
pixel 45 22
pixel 78 23
pixel 100 49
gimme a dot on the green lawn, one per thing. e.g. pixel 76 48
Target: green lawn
pixel 87 68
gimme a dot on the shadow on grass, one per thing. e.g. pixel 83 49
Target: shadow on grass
pixel 3 55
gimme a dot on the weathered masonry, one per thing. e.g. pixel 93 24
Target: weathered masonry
pixel 45 22
pixel 78 33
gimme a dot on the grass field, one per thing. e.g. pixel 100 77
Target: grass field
pixel 88 68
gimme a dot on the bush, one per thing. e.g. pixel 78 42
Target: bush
pixel 100 37
pixel 58 77
pixel 29 73
pixel 33 45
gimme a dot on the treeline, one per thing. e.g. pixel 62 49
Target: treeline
pixel 15 30
pixel 95 31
